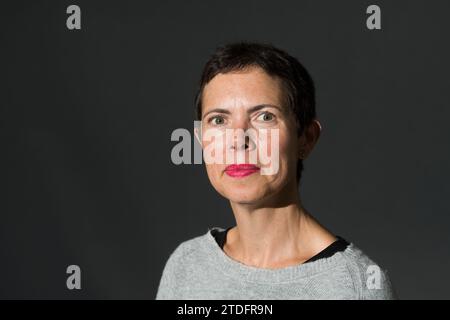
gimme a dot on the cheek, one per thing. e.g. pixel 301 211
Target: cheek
pixel 214 144
pixel 280 148
pixel 216 179
pixel 286 147
pixel 290 152
pixel 214 173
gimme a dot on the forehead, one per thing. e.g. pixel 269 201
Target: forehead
pixel 248 87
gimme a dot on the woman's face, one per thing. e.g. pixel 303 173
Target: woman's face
pixel 237 94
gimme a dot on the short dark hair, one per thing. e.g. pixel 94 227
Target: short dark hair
pixel 297 83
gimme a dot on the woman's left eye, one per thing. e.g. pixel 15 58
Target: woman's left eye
pixel 266 116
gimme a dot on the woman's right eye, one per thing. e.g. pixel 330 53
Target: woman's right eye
pixel 216 120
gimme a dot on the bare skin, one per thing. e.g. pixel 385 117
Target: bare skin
pixel 273 229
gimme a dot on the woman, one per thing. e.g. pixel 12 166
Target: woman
pixel 277 250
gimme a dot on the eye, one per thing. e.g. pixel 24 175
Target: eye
pixel 266 117
pixel 216 120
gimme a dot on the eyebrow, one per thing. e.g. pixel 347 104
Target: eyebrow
pixel 250 110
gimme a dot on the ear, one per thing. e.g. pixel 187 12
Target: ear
pixel 309 138
pixel 319 125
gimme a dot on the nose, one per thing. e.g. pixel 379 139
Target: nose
pixel 241 138
pixel 240 144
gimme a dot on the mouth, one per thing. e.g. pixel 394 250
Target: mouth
pixel 241 170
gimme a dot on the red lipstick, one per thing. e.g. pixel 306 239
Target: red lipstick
pixel 241 170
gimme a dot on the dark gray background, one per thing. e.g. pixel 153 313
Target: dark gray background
pixel 86 118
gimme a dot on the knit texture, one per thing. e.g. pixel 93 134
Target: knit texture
pixel 199 269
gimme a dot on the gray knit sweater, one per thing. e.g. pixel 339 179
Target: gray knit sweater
pixel 200 269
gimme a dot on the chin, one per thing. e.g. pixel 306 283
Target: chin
pixel 243 199
pixel 243 193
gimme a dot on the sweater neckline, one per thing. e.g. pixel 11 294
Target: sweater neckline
pixel 241 271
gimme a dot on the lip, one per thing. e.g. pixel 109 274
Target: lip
pixel 241 170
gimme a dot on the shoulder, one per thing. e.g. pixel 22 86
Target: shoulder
pixel 186 249
pixel 183 258
pixel 372 281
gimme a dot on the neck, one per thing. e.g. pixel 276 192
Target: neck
pixel 275 234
